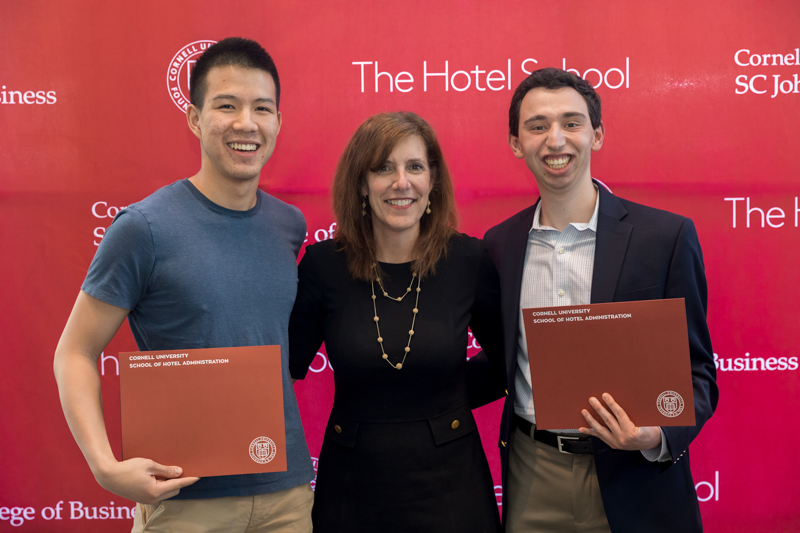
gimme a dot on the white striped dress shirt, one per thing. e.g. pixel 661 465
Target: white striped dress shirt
pixel 558 271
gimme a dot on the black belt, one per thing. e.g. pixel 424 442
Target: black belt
pixel 564 444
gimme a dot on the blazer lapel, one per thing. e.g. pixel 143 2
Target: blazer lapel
pixel 511 276
pixel 612 243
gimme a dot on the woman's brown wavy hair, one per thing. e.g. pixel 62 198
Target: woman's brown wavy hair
pixel 369 149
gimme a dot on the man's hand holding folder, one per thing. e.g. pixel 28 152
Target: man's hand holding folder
pixel 142 480
pixel 619 431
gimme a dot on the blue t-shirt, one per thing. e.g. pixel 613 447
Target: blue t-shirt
pixel 197 275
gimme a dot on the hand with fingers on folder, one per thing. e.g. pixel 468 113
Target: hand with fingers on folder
pixel 619 431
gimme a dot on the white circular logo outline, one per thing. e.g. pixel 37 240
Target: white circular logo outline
pixel 264 453
pixel 180 69
pixel 670 403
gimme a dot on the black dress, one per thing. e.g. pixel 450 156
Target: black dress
pixel 401 449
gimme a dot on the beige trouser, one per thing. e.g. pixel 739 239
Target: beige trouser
pixel 286 511
pixel 550 491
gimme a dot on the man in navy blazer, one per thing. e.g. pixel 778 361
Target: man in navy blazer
pixel 581 244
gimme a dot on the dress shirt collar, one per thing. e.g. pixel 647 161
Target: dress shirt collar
pixel 580 226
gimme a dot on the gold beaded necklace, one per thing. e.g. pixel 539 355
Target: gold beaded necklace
pixel 414 312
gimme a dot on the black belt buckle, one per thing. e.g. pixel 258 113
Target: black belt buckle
pixel 560 439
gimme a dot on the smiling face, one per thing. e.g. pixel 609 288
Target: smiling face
pixel 238 123
pixel 556 139
pixel 398 191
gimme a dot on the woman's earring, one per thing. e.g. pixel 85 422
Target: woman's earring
pixel 428 210
pixel 364 206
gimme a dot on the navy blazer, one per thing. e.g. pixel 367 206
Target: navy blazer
pixel 641 253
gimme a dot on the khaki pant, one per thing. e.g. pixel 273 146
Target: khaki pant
pixel 550 491
pixel 286 511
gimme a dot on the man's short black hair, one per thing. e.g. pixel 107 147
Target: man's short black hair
pixel 552 79
pixel 236 52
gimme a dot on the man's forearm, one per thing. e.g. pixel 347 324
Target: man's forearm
pixel 79 390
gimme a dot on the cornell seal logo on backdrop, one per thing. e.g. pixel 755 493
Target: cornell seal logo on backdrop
pixel 670 403
pixel 262 450
pixel 179 69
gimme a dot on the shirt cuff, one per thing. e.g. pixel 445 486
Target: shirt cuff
pixel 658 455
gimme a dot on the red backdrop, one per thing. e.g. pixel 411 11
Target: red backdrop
pixel 700 101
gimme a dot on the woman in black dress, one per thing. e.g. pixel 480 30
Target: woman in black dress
pixel 392 297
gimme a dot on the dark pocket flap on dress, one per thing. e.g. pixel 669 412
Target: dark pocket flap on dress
pixel 342 430
pixel 453 425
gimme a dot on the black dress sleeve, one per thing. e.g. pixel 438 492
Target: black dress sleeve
pixel 305 324
pixel 485 377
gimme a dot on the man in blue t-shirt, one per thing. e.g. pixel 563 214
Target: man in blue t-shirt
pixel 206 262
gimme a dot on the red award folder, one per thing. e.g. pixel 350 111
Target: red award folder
pixel 636 351
pixel 213 412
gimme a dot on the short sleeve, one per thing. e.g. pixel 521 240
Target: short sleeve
pixel 121 268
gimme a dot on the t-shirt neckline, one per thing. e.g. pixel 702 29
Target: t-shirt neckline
pixel 218 208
